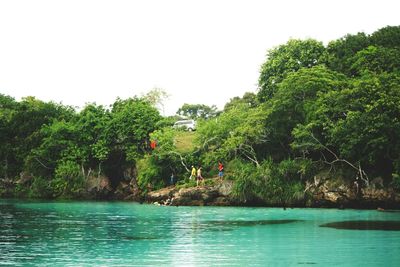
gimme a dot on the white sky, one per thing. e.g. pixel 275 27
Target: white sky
pixel 199 51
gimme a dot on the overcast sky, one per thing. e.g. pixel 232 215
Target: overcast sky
pixel 199 51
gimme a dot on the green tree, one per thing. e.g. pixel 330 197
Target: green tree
pixel 94 140
pixel 375 59
pixel 341 51
pixel 358 125
pixel 8 108
pixel 285 59
pixel 236 132
pixel 58 140
pixel 248 98
pixel 294 104
pixel 197 111
pixel 388 36
pixel 25 127
pixel 132 121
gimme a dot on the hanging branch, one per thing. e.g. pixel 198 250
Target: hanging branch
pixel 249 154
pixel 361 172
pixel 43 164
pixel 182 159
pixel 204 144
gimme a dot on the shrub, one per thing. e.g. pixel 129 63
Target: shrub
pixel 40 188
pixel 68 181
pixel 268 183
pixel 149 174
pixel 396 181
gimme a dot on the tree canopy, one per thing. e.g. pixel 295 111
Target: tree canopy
pixel 197 111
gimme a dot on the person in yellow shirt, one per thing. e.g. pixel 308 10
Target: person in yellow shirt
pixel 193 173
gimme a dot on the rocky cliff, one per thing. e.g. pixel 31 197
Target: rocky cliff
pixel 328 193
pixel 317 193
pixel 320 193
pixel 217 195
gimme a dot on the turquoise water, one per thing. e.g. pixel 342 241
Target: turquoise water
pixel 129 234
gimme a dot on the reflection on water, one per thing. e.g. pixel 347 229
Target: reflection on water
pixel 129 234
pixel 365 225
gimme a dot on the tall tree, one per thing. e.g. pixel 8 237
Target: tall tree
pixel 359 123
pixel 285 59
pixel 341 51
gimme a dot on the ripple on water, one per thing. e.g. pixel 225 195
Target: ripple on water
pixel 230 225
pixel 250 223
pixel 365 225
pixel 139 237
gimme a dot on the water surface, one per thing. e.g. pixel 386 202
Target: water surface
pixel 130 234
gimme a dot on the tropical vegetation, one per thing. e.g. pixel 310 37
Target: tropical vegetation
pixel 331 111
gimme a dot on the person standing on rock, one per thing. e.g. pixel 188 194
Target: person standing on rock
pixel 220 170
pixel 193 173
pixel 199 177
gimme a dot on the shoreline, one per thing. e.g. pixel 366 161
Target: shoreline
pixel 221 193
pixel 33 200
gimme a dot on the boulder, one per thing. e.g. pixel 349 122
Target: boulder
pixel 161 195
pixel 24 177
pixel 225 188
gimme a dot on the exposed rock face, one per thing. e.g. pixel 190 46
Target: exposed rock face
pixel 329 194
pixel 98 186
pixel 162 194
pixel 126 191
pixel 381 196
pixel 218 195
pixel 320 193
pixel 6 187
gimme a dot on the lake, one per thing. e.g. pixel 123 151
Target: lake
pixel 131 234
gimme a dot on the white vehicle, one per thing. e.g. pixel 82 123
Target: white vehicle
pixel 190 125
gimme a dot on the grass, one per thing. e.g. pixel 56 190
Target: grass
pixel 184 141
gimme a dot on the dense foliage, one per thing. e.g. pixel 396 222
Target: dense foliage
pixel 320 110
pixel 328 111
pixel 58 149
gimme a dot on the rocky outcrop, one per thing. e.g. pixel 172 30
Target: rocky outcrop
pixel 98 187
pixel 327 193
pixel 125 191
pixel 319 193
pixel 217 195
pixel 381 198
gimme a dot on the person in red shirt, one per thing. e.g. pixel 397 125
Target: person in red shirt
pixel 220 170
pixel 153 144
